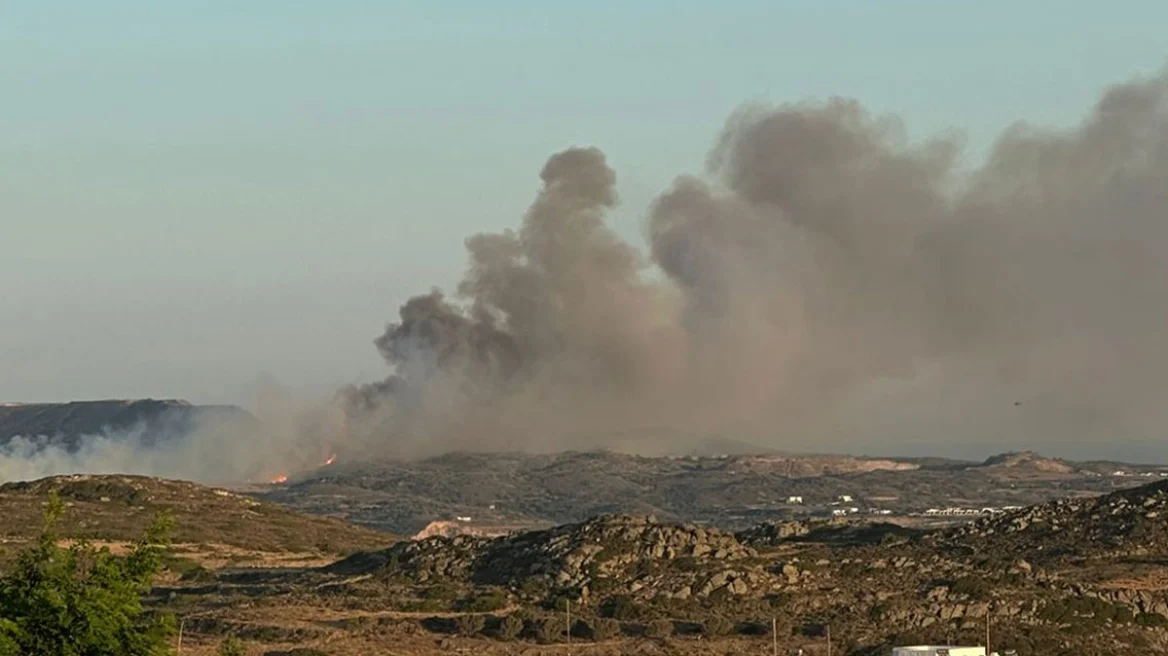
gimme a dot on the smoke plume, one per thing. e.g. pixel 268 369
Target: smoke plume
pixel 826 283
pixel 171 439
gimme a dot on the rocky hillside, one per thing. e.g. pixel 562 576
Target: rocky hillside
pixel 604 552
pixel 67 424
pixel 732 492
pixel 118 508
pixel 637 585
pixel 1128 523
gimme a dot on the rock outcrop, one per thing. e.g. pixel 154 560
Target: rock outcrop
pixel 1129 522
pixel 635 555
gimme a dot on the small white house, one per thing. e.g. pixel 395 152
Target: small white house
pixel 845 498
pixel 794 500
pixel 928 650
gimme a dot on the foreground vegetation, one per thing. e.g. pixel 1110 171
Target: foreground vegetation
pixel 1080 576
pixel 82 600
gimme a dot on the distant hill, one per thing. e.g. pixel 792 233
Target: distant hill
pixel 118 508
pixel 66 424
pixel 729 491
pixel 1031 461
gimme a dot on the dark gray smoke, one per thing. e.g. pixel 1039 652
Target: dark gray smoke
pixel 828 284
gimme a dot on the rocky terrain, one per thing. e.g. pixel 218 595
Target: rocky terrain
pixel 875 585
pixel 1127 524
pixel 67 424
pixel 731 492
pixel 1071 576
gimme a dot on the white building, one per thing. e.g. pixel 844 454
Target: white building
pixel 794 500
pixel 928 650
pixel 845 498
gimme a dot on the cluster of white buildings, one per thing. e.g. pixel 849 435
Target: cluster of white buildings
pixel 853 510
pixel 966 512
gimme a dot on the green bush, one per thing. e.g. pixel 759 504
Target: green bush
pixel 717 626
pixel 471 625
pixel 1152 620
pixel 510 627
pixel 231 646
pixel 549 629
pixel 441 592
pixel 621 607
pixel 81 600
pixel 532 588
pixel 604 628
pixel 486 603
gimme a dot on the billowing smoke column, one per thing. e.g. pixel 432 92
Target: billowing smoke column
pixel 828 285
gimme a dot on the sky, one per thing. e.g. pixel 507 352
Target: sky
pixel 199 196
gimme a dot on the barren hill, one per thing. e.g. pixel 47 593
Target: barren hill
pixel 118 508
pixel 1029 461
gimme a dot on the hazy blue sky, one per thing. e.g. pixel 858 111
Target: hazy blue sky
pixel 195 194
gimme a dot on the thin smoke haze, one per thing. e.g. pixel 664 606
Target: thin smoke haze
pixel 825 284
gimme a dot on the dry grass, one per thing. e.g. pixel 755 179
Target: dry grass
pixel 118 509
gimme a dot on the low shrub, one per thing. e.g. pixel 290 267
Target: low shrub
pixel 659 629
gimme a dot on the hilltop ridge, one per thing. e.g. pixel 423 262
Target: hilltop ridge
pixel 730 491
pixel 67 424
pixel 118 507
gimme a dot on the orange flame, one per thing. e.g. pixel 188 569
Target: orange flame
pixel 331 459
pixel 282 478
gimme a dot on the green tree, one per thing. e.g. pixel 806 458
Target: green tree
pixel 83 601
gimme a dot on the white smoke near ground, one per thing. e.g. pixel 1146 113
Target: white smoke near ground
pixel 282 435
